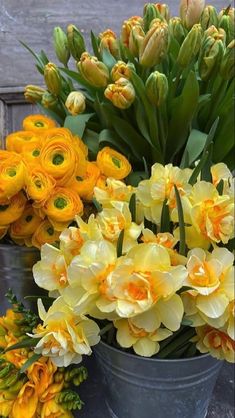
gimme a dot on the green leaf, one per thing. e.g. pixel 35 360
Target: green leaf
pixel 182 248
pixel 111 138
pixel 220 187
pixel 198 168
pixel 36 56
pixel 120 243
pixel 194 147
pixel 98 206
pixel 91 139
pixel 132 207
pixel 26 343
pixel 141 119
pixel 43 57
pixel 51 114
pixel 135 177
pixel 95 45
pixel 80 80
pixel 165 218
pixel 29 362
pixel 108 58
pixel 183 109
pixel 77 124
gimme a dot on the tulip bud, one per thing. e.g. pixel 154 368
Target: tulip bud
pixel 155 44
pixel 75 42
pixel 226 22
pixel 163 11
pixel 93 71
pixel 209 17
pixel 108 40
pixel 227 66
pixel 121 70
pixel 49 101
pixel 176 29
pixel 157 88
pixel 61 45
pixel 150 13
pixel 127 27
pixel 210 56
pixel 33 93
pixel 190 11
pixel 121 94
pixel 190 47
pixel 75 102
pixel 136 38
pixel 52 78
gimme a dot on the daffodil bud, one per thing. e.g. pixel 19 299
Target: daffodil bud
pixel 121 93
pixel 52 78
pixel 93 71
pixel 75 102
pixel 150 13
pixel 108 40
pixel 190 11
pixel 155 44
pixel 136 38
pixel 157 88
pixel 227 66
pixel 75 42
pixel 121 70
pixel 61 45
pixel 49 101
pixel 190 47
pixel 177 30
pixel 33 93
pixel 127 27
pixel 210 56
pixel 226 22
pixel 209 17
pixel 163 11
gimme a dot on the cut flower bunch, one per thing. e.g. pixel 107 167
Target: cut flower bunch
pixel 153 270
pixel 31 385
pixel 158 93
pixel 46 179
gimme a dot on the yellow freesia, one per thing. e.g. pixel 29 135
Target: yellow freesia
pixel 51 409
pixel 41 374
pixel 26 402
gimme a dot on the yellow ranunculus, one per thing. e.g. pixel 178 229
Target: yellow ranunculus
pixel 62 206
pixel 65 336
pixel 113 164
pixel 51 409
pixel 45 233
pixel 24 227
pixel 17 140
pixel 41 374
pixel 144 339
pixel 121 93
pixel 84 185
pixel 31 153
pixel 38 123
pixel 81 145
pixel 39 185
pixel 26 402
pixel 12 175
pixel 13 209
pixel 127 27
pixel 216 342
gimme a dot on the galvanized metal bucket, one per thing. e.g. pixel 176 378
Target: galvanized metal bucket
pixel 138 387
pixel 16 273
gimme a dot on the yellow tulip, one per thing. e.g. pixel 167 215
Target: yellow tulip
pixel 12 175
pixel 33 93
pixel 45 233
pixel 84 185
pixel 75 103
pixel 13 209
pixel 190 11
pixel 39 185
pixel 136 39
pixel 26 402
pixel 38 123
pixel 120 70
pixel 121 93
pixel 108 40
pixel 113 164
pixel 93 71
pixel 127 27
pixel 17 140
pixel 155 44
pixel 216 342
pixel 52 78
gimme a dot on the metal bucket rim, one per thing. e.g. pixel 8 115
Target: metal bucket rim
pixel 154 360
pixel 18 247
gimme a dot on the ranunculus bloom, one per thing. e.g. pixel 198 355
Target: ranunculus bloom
pixel 84 185
pixel 216 342
pixel 113 164
pixel 38 123
pixel 65 336
pixel 26 402
pixel 24 227
pixel 62 206
pixel 39 185
pixel 12 174
pixel 45 233
pixel 13 209
pixel 18 140
pixel 31 153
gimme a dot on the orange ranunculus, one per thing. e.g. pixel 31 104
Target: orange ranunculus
pixel 12 175
pixel 17 140
pixel 51 409
pixel 113 164
pixel 31 153
pixel 26 402
pixel 38 123
pixel 84 185
pixel 39 185
pixel 41 373
pixel 62 206
pixel 45 233
pixel 81 145
pixel 24 227
pixel 58 156
pixel 13 209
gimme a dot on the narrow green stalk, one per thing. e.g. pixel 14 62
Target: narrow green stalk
pixel 177 343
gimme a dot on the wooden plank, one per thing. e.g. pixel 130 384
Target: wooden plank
pixel 33 21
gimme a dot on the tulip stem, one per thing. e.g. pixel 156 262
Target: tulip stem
pixel 106 329
pixel 177 343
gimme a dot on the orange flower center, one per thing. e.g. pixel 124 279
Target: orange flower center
pixel 203 275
